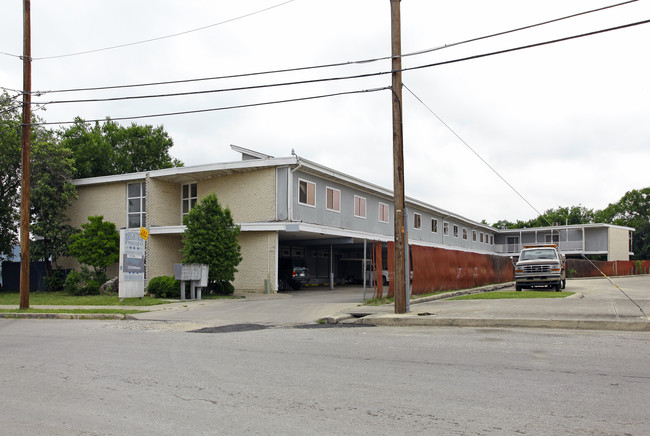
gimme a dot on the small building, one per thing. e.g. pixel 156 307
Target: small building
pixel 290 207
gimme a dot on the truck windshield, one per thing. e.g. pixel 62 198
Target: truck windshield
pixel 537 254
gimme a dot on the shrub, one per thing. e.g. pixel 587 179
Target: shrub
pixel 83 282
pixel 221 288
pixel 164 287
pixel 56 281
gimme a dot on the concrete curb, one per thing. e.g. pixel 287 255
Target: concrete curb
pixel 432 321
pixel 479 290
pixel 65 316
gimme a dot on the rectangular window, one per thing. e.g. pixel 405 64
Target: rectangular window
pixel 491 240
pixel 474 235
pixel 306 193
pixel 188 198
pixel 464 233
pixel 136 198
pixel 445 228
pixel 434 225
pixel 455 231
pixel 417 221
pixel 383 212
pixel 481 237
pixel 359 207
pixel 333 200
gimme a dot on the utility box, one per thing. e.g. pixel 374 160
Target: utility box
pixel 196 274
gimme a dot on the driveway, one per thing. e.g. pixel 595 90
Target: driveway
pixel 304 306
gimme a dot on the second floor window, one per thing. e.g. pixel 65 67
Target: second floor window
pixel 434 225
pixel 417 221
pixel 333 199
pixel 359 207
pixel 306 193
pixel 136 199
pixel 188 198
pixel 383 212
pixel 445 228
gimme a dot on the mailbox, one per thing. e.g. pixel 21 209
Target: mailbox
pixel 196 274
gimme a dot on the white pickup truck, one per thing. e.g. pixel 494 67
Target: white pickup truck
pixel 540 265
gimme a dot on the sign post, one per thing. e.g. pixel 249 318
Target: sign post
pixel 131 264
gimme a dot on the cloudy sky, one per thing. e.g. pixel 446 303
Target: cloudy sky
pixel 565 124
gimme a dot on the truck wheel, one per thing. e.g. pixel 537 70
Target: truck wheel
pixel 558 287
pixel 518 288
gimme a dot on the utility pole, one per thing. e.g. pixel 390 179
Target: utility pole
pixel 25 163
pixel 398 157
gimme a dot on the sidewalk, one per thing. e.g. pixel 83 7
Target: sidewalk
pixel 598 306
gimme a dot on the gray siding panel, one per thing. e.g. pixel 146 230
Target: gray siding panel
pixel 282 183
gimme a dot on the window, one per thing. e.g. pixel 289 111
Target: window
pixel 481 236
pixel 445 228
pixel 136 199
pixel 306 193
pixel 383 212
pixel 333 200
pixel 464 233
pixel 434 225
pixel 491 239
pixel 474 235
pixel 455 231
pixel 188 198
pixel 417 221
pixel 359 207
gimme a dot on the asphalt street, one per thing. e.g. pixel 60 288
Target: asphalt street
pixel 92 377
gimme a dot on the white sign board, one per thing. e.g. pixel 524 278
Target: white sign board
pixel 131 264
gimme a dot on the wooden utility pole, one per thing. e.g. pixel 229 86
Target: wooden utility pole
pixel 25 163
pixel 398 157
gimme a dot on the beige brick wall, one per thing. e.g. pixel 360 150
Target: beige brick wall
pixel 108 200
pixel 163 203
pixel 250 195
pixel 258 261
pixel 618 244
pixel 162 252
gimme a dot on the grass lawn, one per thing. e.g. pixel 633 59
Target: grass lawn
pixel 513 294
pixel 480 296
pixel 83 311
pixel 60 298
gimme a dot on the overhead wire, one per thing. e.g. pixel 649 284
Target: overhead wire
pixel 357 76
pixel 157 38
pixel 195 111
pixel 471 148
pixel 337 64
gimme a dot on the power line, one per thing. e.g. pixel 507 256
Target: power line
pixel 166 36
pixel 212 91
pixel 337 64
pixel 358 76
pixel 524 47
pixel 290 100
pixel 473 151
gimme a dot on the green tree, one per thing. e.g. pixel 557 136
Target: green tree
pixel 632 210
pixel 51 193
pixel 98 245
pixel 10 120
pixel 211 238
pixel 109 148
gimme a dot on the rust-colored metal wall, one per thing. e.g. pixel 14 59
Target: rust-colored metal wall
pixel 585 268
pixel 439 269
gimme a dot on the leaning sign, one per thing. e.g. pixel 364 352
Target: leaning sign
pixel 131 264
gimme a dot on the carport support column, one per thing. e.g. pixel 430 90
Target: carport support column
pixel 331 267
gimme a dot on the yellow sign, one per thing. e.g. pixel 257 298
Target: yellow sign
pixel 144 233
